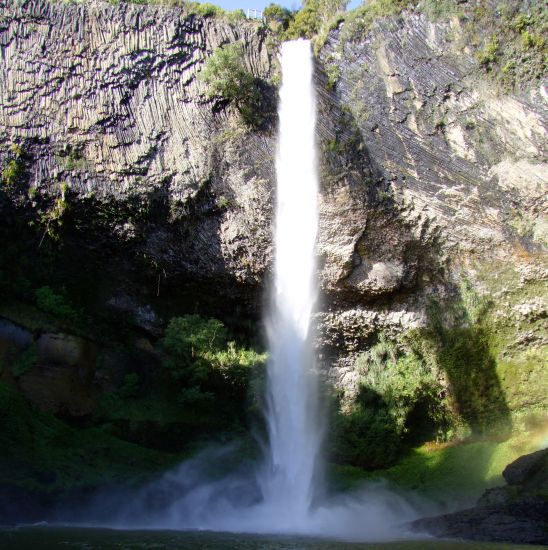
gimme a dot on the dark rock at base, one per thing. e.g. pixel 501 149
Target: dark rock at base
pixel 529 470
pixel 523 521
pixel 517 513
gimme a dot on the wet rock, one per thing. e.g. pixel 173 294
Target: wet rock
pixel 142 315
pixel 516 513
pixel 529 470
pixel 12 334
pixel 61 381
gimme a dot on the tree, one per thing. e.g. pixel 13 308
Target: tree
pixel 278 17
pixel 313 17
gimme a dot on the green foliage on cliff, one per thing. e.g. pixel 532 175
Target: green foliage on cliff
pixel 278 17
pixel 205 364
pixel 229 80
pixel 399 402
pixel 507 39
pixel 359 21
pixel 451 379
pixel 55 304
pixel 488 54
pixel 13 170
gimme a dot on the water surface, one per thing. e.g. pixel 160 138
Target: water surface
pixel 72 538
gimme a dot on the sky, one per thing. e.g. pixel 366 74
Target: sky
pixel 261 4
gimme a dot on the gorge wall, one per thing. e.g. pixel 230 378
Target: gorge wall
pixel 433 178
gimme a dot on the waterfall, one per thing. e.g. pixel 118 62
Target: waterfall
pixel 280 498
pixel 292 412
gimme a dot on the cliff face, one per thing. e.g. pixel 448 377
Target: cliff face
pixel 459 179
pixel 105 99
pixel 428 173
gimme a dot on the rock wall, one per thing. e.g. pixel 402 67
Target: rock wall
pixel 428 172
pixel 105 99
pixel 459 179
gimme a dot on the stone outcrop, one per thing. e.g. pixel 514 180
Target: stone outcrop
pixel 515 513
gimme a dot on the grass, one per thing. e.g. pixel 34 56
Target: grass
pixel 449 475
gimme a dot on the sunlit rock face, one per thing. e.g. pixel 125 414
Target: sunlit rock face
pixel 455 184
pixel 427 171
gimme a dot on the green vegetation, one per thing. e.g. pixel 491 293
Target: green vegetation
pixel 204 390
pixel 359 21
pixel 204 363
pixel 149 420
pixel 488 54
pixel 55 304
pixel 433 384
pixel 13 170
pixel 229 80
pixel 314 20
pixel 73 160
pixel 398 403
pixel 52 217
pixel 42 453
pixel 277 17
pixel 440 10
pixel 508 42
pixel 447 474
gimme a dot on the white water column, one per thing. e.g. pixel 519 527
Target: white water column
pixel 292 412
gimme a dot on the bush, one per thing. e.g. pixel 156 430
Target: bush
pixel 403 379
pixel 399 403
pixel 366 438
pixel 228 79
pixel 202 361
pixel 12 172
pixel 488 54
pixel 189 340
pixel 206 9
pixel 55 304
pixel 278 17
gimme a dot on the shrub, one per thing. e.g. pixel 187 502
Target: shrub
pixel 203 363
pixel 14 168
pixel 531 40
pixel 305 23
pixel 366 438
pixel 227 78
pixel 278 17
pixel 399 403
pixel 55 304
pixel 192 337
pixel 488 54
pixel 206 9
pixel 403 379
pixel 52 218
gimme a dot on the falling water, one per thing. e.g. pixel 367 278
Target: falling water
pixel 280 499
pixel 294 431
